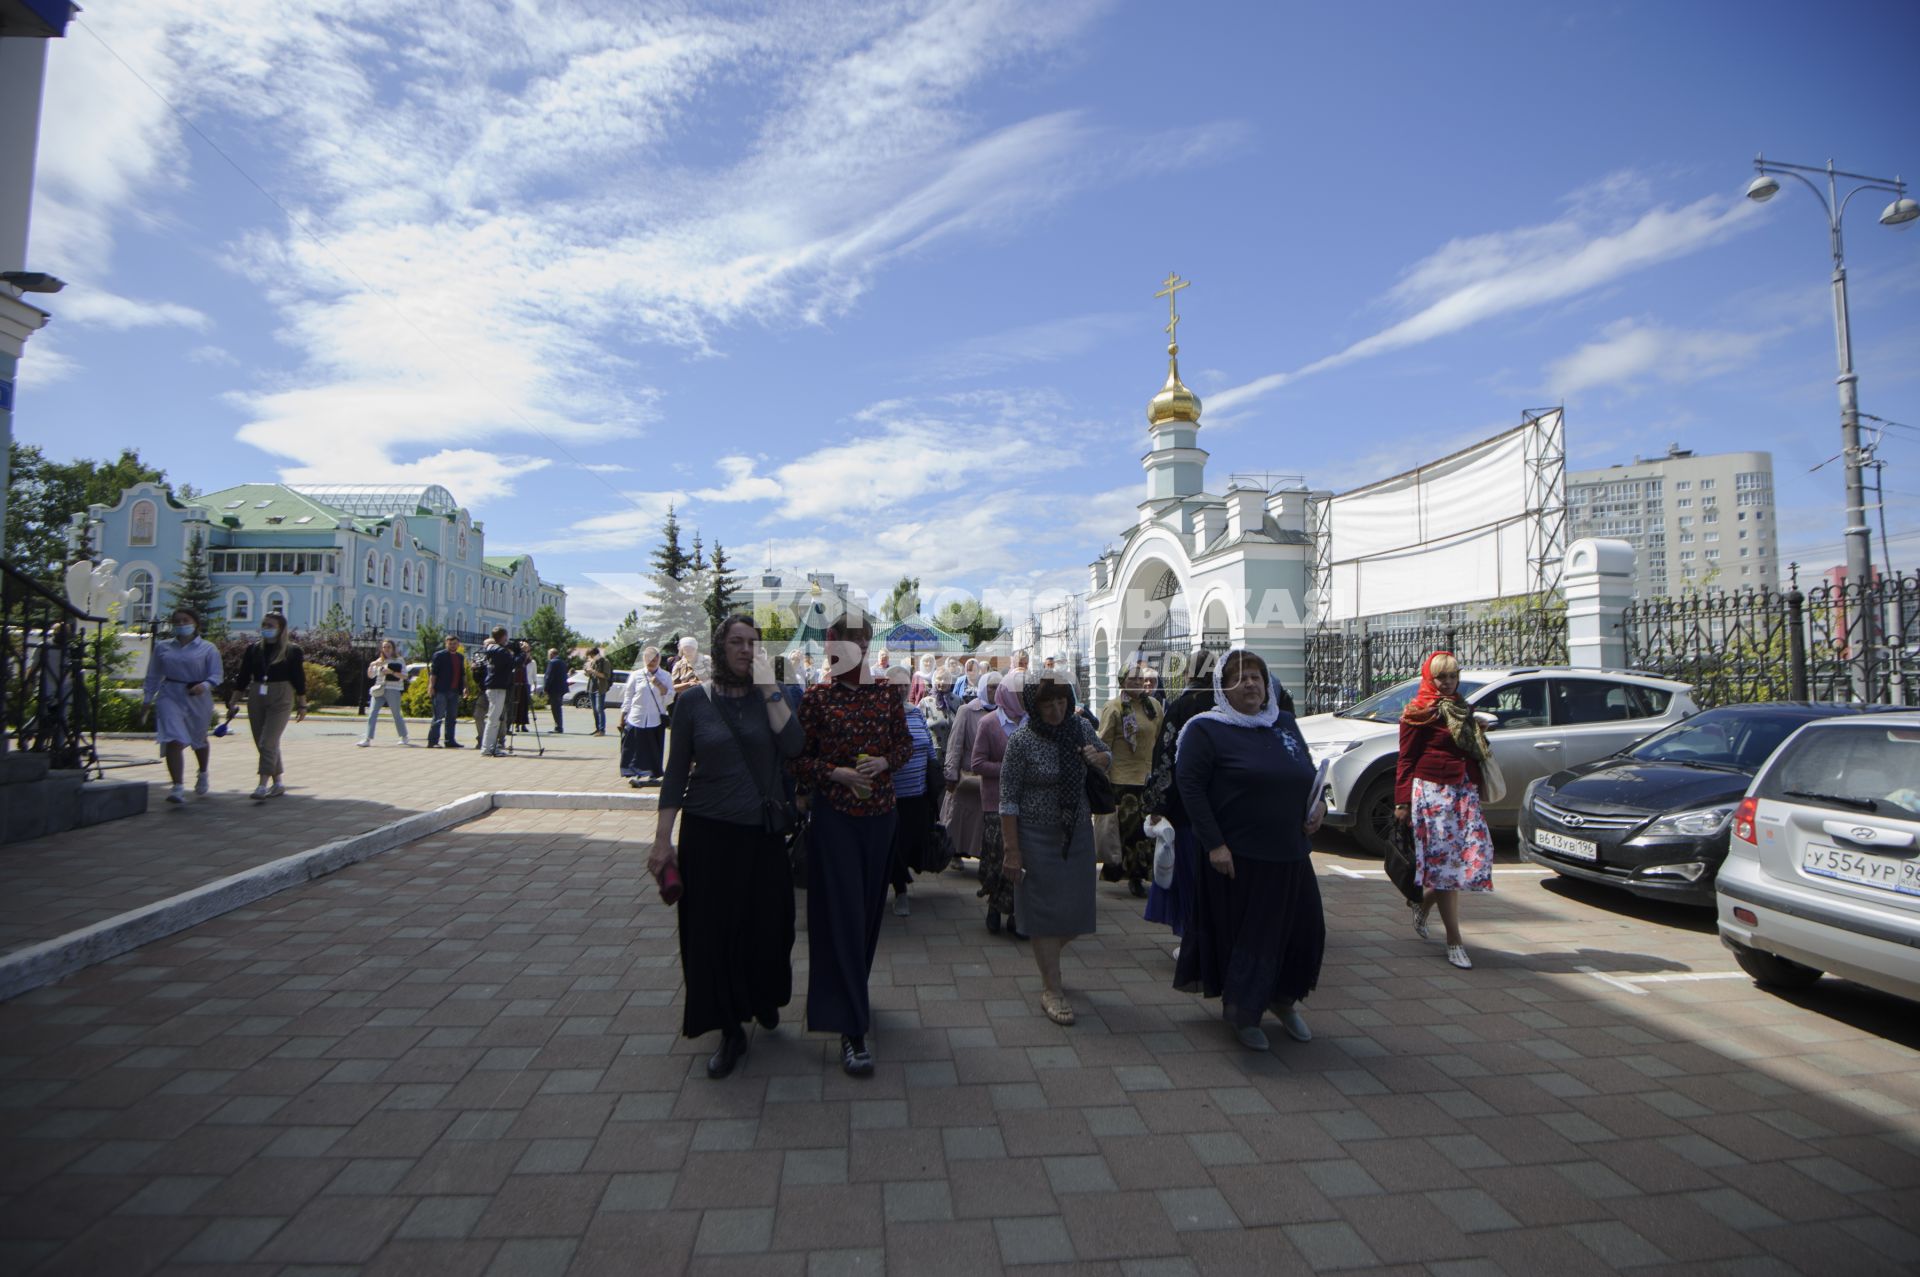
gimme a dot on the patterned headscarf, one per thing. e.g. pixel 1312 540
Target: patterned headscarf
pixel 1010 700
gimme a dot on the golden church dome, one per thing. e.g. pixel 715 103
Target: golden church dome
pixel 1174 402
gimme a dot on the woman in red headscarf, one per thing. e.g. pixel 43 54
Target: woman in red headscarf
pixel 1437 790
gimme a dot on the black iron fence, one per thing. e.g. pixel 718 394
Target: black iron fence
pixel 1759 645
pixel 1348 663
pixel 49 679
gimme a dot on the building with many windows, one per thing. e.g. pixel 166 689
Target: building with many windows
pixel 1695 523
pixel 390 556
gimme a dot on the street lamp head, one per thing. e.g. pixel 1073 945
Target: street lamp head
pixel 1762 188
pixel 1900 212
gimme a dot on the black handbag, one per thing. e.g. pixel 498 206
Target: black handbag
pixel 1101 800
pixel 1400 863
pixel 936 852
pixel 777 815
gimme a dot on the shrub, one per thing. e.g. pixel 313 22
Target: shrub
pixel 417 700
pixel 323 686
pixel 118 713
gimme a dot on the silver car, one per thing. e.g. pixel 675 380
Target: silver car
pixel 1544 719
pixel 1823 869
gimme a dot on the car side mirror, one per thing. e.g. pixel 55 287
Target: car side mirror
pixel 1490 722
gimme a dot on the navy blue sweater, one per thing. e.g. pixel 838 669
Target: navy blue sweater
pixel 1247 787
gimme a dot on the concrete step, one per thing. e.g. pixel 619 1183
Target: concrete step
pixel 22 768
pixel 63 800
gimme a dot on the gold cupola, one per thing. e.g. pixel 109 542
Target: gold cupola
pixel 1174 402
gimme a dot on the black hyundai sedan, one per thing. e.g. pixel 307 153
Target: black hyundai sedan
pixel 1654 818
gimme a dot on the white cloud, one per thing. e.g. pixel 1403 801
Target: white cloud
pixel 476 477
pixel 98 308
pixel 1041 343
pixel 45 363
pixel 1628 352
pixel 742 483
pixel 1471 280
pixel 218 356
pixel 484 217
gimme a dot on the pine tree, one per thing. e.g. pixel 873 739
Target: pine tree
pixel 194 591
pixel 336 621
pixel 904 602
pixel 723 588
pixel 623 649
pixel 675 609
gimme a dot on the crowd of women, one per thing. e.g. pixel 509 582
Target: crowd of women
pixel 851 779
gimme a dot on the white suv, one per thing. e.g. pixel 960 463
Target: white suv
pixel 1547 719
pixel 579 685
pixel 1823 869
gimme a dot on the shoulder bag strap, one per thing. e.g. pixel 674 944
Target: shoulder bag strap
pixel 740 741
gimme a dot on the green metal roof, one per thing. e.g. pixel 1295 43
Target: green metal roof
pixel 267 507
pixel 917 634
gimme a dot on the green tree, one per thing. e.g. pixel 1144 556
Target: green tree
pixel 43 495
pixel 544 629
pixel 675 609
pixel 904 602
pixel 723 588
pixel 973 619
pixel 427 638
pixel 623 649
pixel 776 626
pixel 336 621
pixel 194 591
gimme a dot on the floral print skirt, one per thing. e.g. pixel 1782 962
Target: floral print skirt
pixel 994 887
pixel 1136 844
pixel 1453 851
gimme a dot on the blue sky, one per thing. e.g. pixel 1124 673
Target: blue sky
pixel 872 285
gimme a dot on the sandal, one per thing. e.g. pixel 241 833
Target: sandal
pixel 1058 1009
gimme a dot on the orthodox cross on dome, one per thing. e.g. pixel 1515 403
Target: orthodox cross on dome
pixel 1169 287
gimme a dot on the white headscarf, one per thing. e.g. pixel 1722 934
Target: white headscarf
pixel 1223 711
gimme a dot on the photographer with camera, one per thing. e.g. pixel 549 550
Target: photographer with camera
pixel 387 675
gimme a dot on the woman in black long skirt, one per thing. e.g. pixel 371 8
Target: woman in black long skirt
pixel 856 739
pixel 729 739
pixel 1245 778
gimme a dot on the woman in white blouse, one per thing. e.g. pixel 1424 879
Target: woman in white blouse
pixel 643 721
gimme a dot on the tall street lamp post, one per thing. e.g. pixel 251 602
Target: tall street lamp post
pixel 1899 213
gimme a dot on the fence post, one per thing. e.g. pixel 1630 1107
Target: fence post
pixel 1598 585
pixel 1797 643
pixel 1366 665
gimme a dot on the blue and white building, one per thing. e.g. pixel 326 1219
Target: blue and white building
pixel 389 555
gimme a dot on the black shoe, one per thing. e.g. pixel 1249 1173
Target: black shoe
pixel 1112 873
pixel 732 1046
pixel 854 1057
pixel 451 745
pixel 768 1019
pixel 1013 928
pixel 433 745
pixel 1138 888
pixel 993 922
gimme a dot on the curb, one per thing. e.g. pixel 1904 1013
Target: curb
pixel 27 969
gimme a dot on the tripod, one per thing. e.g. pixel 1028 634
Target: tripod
pixel 521 701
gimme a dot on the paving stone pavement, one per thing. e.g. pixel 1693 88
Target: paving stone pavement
pixel 50 886
pixel 463 1057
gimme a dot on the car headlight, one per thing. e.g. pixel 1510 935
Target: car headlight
pixel 1352 745
pixel 1694 823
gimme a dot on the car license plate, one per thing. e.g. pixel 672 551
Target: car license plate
pixel 1560 844
pixel 1888 873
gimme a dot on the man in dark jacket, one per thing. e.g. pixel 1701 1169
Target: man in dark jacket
pixel 446 679
pixel 502 668
pixel 556 685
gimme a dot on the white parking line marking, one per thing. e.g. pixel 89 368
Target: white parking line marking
pixel 1617 983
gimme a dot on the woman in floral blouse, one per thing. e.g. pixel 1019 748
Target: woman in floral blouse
pixel 1129 728
pixel 856 734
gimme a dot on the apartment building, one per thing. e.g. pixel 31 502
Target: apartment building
pixel 1696 523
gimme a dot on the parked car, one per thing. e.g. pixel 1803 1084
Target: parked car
pixel 1823 871
pixel 577 688
pixel 1655 818
pixel 1544 720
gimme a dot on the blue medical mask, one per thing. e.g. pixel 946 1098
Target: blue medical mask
pixel 183 631
pixel 270 633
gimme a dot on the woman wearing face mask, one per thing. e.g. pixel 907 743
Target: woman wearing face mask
pixel 1046 829
pixel 990 738
pixel 181 676
pixel 387 675
pixel 273 677
pixel 1436 789
pixel 1246 777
